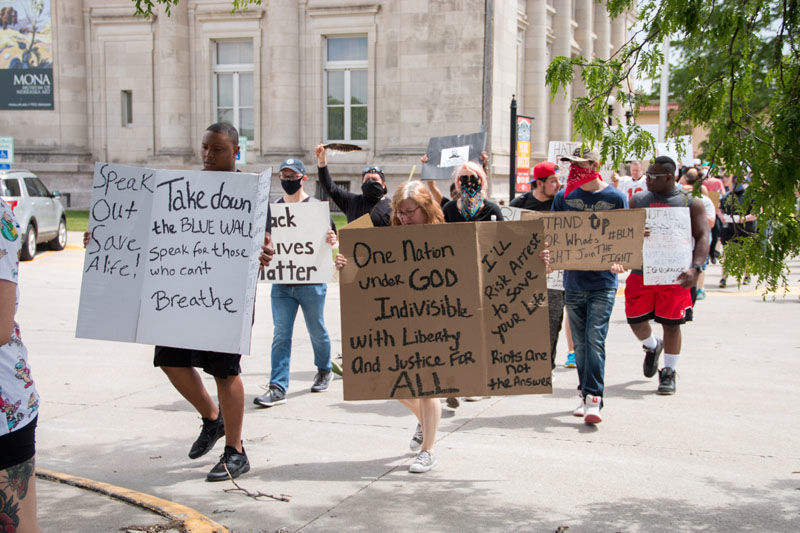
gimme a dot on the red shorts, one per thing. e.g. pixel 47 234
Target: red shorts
pixel 667 304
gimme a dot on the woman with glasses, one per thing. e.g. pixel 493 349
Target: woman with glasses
pixel 471 205
pixel 413 204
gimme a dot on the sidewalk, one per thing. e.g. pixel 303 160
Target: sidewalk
pixel 721 455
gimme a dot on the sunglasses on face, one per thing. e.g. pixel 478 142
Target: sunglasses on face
pixel 652 176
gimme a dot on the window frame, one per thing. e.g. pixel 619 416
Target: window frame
pixel 236 69
pixel 346 67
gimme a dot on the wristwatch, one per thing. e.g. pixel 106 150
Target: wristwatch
pixel 699 268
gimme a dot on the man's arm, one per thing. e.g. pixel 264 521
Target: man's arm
pixel 697 212
pixel 340 196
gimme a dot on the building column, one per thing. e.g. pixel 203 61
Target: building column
pixel 536 93
pixel 560 122
pixel 172 84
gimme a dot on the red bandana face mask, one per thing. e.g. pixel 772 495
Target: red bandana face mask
pixel 578 176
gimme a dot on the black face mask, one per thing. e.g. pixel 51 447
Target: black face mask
pixel 291 186
pixel 373 190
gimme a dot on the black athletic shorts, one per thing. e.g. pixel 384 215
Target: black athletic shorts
pixel 218 364
pixel 18 446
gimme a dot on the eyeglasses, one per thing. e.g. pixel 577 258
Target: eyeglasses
pixel 291 177
pixel 651 176
pixel 407 214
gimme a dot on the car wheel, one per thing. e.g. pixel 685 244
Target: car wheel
pixel 28 244
pixel 60 240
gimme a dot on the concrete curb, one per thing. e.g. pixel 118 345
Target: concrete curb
pixel 191 520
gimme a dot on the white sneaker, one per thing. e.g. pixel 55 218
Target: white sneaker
pixel 592 410
pixel 422 463
pixel 579 411
pixel 416 440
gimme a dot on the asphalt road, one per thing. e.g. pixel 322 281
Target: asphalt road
pixel 723 454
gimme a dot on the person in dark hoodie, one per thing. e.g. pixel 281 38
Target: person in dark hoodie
pixel 372 199
pixel 737 222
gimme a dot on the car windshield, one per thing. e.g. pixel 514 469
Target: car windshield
pixel 9 187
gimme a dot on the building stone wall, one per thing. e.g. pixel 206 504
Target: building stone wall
pixel 434 68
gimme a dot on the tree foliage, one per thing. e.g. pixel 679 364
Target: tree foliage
pixel 145 8
pixel 740 78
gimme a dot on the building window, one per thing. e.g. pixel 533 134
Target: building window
pixel 126 101
pixel 233 85
pixel 346 88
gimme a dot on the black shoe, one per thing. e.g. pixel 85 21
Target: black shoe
pixel 666 381
pixel 211 432
pixel 746 280
pixel 321 381
pixel 236 462
pixel 723 283
pixel 650 365
pixel 274 396
pixel 453 403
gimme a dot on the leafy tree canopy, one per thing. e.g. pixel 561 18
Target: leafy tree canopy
pixel 739 76
pixel 145 8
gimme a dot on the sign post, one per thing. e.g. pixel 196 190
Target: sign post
pixel 6 152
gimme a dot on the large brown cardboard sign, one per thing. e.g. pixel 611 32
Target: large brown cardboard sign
pixel 444 310
pixel 592 240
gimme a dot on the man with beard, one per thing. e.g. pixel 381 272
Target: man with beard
pixel 372 199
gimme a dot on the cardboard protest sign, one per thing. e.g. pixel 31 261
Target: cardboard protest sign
pixel 511 213
pixel 445 153
pixel 364 221
pixel 173 257
pixel 302 253
pixel 592 240
pixel 444 310
pixel 668 250
pixel 555 279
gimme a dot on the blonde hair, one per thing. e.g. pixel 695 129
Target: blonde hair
pixel 417 191
pixel 473 168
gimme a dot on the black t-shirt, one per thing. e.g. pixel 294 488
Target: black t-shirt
pixel 528 201
pixel 355 205
pixel 453 214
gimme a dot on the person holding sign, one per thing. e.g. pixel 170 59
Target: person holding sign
pixel 19 400
pixel 372 199
pixel 286 298
pixel 544 186
pixel 589 295
pixel 666 304
pixel 413 204
pixel 220 145
pixel 471 205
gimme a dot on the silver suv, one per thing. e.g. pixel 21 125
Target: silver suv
pixel 39 212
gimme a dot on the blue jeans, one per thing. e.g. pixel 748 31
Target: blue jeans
pixel 589 313
pixel 285 300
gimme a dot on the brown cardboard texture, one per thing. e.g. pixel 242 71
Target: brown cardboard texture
pixel 592 240
pixel 444 310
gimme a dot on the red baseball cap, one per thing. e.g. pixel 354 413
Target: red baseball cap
pixel 542 171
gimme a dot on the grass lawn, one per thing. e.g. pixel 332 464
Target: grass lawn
pixel 339 219
pixel 77 219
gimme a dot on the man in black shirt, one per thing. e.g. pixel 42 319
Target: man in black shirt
pixel 373 199
pixel 544 187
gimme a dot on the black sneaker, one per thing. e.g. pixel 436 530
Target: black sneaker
pixel 274 396
pixel 666 381
pixel 321 381
pixel 236 462
pixel 211 432
pixel 650 365
pixel 723 283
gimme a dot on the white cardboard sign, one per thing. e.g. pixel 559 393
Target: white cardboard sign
pixel 668 250
pixel 173 257
pixel 299 235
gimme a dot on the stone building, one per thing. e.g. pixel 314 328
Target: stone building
pixel 386 75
